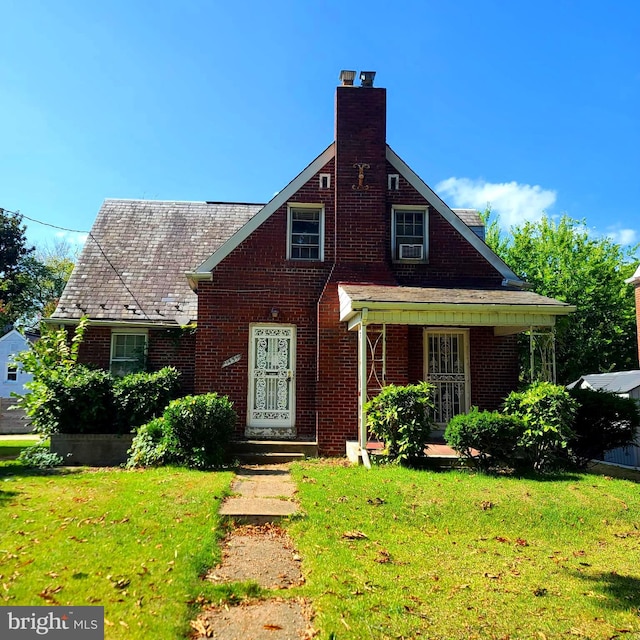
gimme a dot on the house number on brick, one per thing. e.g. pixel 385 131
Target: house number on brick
pixel 361 166
pixel 231 360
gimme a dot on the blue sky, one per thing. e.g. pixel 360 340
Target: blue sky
pixel 530 106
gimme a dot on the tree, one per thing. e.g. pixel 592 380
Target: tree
pixel 563 260
pixel 42 279
pixel 13 251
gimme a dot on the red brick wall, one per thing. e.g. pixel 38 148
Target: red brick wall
pixel 95 348
pixel 494 367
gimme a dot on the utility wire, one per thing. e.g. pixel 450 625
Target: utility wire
pixel 90 235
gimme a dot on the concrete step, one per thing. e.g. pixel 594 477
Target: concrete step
pixel 272 451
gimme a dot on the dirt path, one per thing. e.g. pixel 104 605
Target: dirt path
pixel 262 553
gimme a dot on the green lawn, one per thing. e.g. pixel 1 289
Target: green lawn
pixel 11 447
pixel 132 541
pixel 396 553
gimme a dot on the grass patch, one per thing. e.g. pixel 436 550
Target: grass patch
pixel 399 553
pixel 135 542
pixel 11 448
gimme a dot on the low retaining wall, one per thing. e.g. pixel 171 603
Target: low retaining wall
pixel 92 450
pixel 14 420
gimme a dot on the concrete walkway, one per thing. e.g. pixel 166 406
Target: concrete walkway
pixel 261 494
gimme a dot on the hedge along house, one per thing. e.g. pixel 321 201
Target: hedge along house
pixel 353 276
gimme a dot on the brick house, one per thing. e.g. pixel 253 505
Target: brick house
pixel 356 274
pixel 635 281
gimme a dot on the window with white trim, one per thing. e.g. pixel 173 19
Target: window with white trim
pixel 305 232
pixel 409 233
pixel 12 372
pixel 393 181
pixel 128 352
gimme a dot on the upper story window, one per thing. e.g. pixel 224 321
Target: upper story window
pixel 128 352
pixel 12 372
pixel 305 232
pixel 393 181
pixel 325 180
pixel 409 233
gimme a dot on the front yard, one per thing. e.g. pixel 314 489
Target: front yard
pixel 387 553
pixel 132 541
pixel 395 553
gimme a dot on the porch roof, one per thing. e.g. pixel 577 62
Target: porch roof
pixel 507 310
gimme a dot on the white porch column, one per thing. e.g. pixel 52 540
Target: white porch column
pixel 362 387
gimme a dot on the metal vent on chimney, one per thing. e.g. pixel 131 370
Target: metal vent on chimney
pixel 347 78
pixel 366 78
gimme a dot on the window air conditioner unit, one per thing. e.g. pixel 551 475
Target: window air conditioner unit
pixel 411 251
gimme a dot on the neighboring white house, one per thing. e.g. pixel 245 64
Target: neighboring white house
pixel 625 384
pixel 12 378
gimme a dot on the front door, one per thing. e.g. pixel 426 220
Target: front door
pixel 447 369
pixel 271 406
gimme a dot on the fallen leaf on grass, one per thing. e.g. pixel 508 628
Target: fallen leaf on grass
pixel 384 557
pixel 376 502
pixel 355 535
pixel 48 593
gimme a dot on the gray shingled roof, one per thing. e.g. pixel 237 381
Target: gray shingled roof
pixel 133 265
pixel 443 295
pixel 471 217
pixel 617 382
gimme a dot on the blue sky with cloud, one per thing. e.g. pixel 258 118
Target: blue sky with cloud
pixel 528 107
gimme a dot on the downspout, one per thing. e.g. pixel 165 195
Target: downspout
pixel 326 283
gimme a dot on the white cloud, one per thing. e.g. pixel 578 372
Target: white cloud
pixel 623 236
pixel 513 202
pixel 73 238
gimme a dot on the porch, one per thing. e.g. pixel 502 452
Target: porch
pixel 448 316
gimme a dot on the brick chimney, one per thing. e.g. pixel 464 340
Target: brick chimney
pixel 635 281
pixel 360 173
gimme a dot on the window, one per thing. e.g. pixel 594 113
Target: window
pixel 128 353
pixel 306 229
pixel 393 181
pixel 325 180
pixel 409 234
pixel 12 372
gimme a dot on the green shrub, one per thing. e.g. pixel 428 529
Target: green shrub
pixel 140 397
pixel 402 417
pixel 604 421
pixel 79 402
pixel 50 360
pixel 38 456
pixel 151 446
pixel 548 413
pixel 488 439
pixel 194 431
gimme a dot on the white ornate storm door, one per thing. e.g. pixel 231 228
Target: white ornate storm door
pixel 447 368
pixel 271 406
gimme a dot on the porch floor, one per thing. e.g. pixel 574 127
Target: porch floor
pixel 437 450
